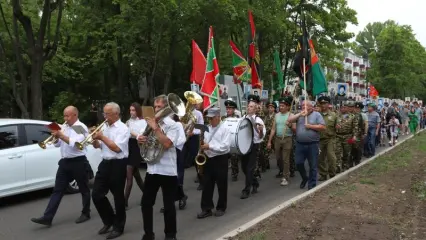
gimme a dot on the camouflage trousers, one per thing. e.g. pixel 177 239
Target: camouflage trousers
pixel 327 158
pixel 343 151
pixel 293 157
pixel 234 164
pixel 263 157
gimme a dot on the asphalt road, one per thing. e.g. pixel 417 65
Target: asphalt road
pixel 15 212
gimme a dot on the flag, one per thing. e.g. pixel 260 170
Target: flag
pixel 198 64
pixel 319 83
pixel 373 91
pixel 242 71
pixel 210 86
pixel 303 52
pixel 278 77
pixel 253 55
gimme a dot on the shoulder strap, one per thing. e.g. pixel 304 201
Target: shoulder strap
pixel 214 132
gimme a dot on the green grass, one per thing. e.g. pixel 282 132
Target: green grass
pixel 342 190
pixel 419 189
pixel 257 236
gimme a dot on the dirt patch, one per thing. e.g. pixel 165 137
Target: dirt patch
pixel 385 199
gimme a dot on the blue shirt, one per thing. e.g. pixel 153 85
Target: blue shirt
pixel 373 119
pixel 304 135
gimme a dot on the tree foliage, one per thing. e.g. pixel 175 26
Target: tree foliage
pixel 129 51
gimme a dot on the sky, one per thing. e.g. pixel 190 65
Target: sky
pixel 406 12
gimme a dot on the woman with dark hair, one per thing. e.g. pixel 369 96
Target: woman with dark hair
pixel 136 125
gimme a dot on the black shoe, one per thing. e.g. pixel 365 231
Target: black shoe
pixel 162 210
pixel 219 213
pixel 279 175
pixel 42 221
pixel 322 178
pixel 182 202
pixel 170 238
pixel 310 187
pixel 254 190
pixel 83 218
pixel 331 176
pixel 114 234
pixel 303 183
pixel 200 187
pixel 148 237
pixel 292 174
pixel 234 178
pixel 204 214
pixel 105 229
pixel 244 195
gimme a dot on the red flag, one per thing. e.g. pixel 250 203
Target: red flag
pixel 198 64
pixel 373 91
pixel 254 57
pixel 252 28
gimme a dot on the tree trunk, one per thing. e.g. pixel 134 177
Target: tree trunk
pixel 36 86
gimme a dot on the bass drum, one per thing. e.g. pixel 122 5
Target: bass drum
pixel 241 135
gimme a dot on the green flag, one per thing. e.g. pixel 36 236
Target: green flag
pixel 278 76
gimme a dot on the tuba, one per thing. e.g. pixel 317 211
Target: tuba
pixel 89 140
pixel 189 119
pixel 51 139
pixel 151 151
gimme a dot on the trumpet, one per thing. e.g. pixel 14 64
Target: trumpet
pixel 50 140
pixel 89 139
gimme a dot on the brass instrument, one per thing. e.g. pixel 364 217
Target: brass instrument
pixel 89 140
pixel 188 120
pixel 151 151
pixel 201 158
pixel 50 140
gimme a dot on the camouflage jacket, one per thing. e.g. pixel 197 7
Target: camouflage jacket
pixel 269 121
pixel 330 119
pixel 348 125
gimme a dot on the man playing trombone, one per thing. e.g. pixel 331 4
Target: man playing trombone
pixel 113 141
pixel 73 165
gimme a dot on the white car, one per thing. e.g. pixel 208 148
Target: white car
pixel 24 166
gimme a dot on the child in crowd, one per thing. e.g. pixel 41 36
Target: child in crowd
pixel 414 120
pixel 382 131
pixel 393 128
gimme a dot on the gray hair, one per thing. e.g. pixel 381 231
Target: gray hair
pixel 114 106
pixel 162 98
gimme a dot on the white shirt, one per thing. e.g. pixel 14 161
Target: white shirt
pixel 219 143
pixel 119 133
pixel 167 165
pixel 181 132
pixel 257 119
pixel 200 120
pixel 69 150
pixel 136 125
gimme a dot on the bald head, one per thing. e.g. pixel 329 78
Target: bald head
pixel 309 107
pixel 70 115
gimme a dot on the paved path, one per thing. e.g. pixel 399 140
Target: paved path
pixel 15 213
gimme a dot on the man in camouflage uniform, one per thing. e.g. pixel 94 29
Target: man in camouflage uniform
pixel 233 158
pixel 327 157
pixel 346 129
pixel 264 153
pixel 356 154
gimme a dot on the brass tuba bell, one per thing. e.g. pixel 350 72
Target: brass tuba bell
pixel 189 120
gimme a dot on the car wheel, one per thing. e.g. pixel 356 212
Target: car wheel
pixel 73 187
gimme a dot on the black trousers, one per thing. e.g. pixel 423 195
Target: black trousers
pixel 111 176
pixel 215 173
pixel 168 185
pixel 70 169
pixel 190 150
pixel 248 164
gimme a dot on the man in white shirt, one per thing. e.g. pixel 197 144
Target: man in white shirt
pixel 73 165
pixel 162 173
pixel 113 141
pixel 248 161
pixel 216 147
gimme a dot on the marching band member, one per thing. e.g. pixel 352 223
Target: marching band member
pixel 248 161
pixel 216 147
pixel 73 165
pixel 231 107
pixel 162 174
pixel 135 124
pixel 111 176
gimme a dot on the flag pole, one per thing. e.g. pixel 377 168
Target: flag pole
pixel 306 91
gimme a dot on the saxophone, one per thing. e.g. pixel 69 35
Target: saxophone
pixel 189 119
pixel 151 151
pixel 201 158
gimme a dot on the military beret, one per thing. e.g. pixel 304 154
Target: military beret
pixel 324 99
pixel 271 104
pixel 348 103
pixel 253 98
pixel 230 104
pixel 287 100
pixel 359 105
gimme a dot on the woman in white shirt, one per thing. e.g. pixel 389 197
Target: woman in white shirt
pixel 136 124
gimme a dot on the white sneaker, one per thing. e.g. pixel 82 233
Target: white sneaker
pixel 284 182
pixel 396 141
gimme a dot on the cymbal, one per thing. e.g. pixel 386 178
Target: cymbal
pixel 193 97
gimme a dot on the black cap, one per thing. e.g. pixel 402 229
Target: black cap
pixel 271 104
pixel 359 105
pixel 324 99
pixel 287 100
pixel 253 98
pixel 230 104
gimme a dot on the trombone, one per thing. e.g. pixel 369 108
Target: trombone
pixel 50 140
pixel 89 139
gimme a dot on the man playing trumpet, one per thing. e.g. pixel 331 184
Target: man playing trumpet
pixel 72 166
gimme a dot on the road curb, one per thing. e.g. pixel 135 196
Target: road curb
pixel 304 195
